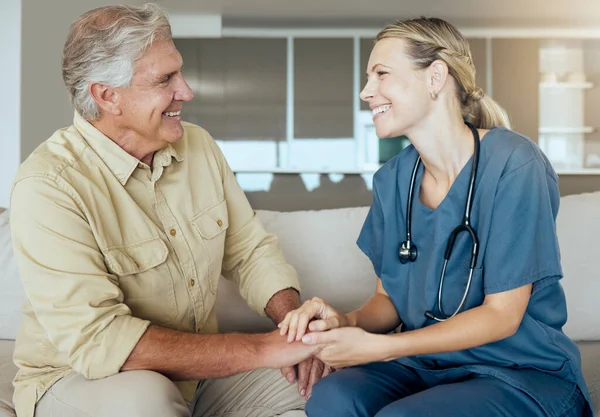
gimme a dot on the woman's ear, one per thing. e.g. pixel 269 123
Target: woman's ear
pixel 437 76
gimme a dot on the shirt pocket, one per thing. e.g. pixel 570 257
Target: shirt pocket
pixel 145 279
pixel 211 226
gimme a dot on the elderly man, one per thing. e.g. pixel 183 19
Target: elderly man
pixel 122 226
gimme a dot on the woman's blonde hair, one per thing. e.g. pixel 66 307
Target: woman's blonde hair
pixel 431 39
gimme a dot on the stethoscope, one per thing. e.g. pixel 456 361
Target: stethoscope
pixel 408 250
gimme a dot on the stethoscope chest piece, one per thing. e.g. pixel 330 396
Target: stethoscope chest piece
pixel 408 252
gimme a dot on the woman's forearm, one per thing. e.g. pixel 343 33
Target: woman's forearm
pixel 377 315
pixel 472 328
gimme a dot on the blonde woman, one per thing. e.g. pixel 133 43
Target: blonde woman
pixel 461 234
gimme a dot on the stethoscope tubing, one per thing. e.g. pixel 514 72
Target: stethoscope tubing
pixel 465 226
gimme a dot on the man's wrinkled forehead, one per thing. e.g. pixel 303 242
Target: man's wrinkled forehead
pixel 160 60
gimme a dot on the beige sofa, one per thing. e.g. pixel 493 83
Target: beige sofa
pixel 321 245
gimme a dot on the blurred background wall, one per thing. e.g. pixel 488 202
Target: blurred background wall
pixel 276 84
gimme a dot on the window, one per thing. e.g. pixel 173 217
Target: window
pixel 323 79
pixel 239 95
pixel 291 103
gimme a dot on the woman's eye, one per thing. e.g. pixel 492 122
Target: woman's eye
pixel 381 73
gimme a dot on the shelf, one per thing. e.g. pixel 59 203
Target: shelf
pixel 498 32
pixel 578 171
pixel 291 171
pixel 567 84
pixel 567 130
pixel 295 171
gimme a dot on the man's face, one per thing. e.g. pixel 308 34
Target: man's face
pixel 151 106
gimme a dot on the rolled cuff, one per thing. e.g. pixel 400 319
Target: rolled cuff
pixel 281 278
pixel 122 335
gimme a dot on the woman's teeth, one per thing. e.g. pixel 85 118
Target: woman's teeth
pixel 381 109
pixel 172 113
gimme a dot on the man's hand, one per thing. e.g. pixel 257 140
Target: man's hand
pixel 309 372
pixel 275 351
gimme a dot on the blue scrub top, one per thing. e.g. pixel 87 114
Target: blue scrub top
pixel 514 211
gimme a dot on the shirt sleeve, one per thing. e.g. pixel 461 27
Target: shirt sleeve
pixel 370 239
pixel 75 299
pixel 523 245
pixel 253 258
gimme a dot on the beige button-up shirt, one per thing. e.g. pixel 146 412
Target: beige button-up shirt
pixel 106 245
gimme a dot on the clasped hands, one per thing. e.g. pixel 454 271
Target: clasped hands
pixel 338 343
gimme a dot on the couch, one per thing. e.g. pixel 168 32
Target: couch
pixel 321 245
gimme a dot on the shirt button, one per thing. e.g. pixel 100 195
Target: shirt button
pixel 173 232
pixel 192 282
pixel 220 222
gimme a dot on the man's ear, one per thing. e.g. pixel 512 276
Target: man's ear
pixel 437 76
pixel 107 98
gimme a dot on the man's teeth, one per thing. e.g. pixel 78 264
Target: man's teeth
pixel 381 109
pixel 172 113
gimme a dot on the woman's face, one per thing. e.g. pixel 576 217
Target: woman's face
pixel 397 93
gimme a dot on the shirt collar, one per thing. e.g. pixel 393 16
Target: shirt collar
pixel 170 152
pixel 121 163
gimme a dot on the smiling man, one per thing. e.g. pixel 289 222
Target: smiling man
pixel 122 225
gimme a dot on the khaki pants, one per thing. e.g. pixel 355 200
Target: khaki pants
pixel 259 393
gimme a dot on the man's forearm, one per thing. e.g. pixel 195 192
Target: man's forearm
pixel 281 303
pixel 182 356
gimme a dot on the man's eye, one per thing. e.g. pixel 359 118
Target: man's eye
pixel 381 73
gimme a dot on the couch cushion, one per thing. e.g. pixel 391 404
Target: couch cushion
pixel 321 246
pixel 590 363
pixel 11 290
pixel 578 228
pixel 7 373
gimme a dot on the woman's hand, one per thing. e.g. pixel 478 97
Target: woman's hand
pixel 298 321
pixel 348 346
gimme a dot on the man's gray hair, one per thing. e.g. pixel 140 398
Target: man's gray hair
pixel 102 47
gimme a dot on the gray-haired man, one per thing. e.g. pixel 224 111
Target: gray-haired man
pixel 122 225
